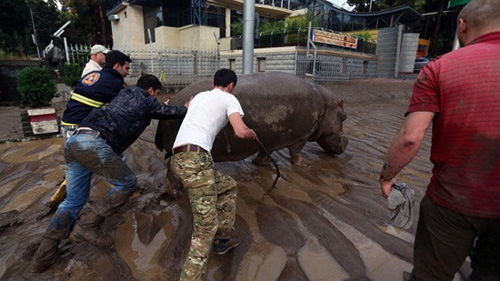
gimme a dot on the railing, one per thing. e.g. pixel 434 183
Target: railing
pixel 327 69
pixel 174 67
pixel 177 68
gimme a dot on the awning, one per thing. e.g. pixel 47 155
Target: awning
pixel 454 3
pixel 263 10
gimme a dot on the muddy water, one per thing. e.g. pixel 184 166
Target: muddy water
pixel 326 220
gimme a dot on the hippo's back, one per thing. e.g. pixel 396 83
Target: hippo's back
pixel 282 109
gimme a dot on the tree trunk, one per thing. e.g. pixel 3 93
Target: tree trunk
pixel 104 31
pixel 435 36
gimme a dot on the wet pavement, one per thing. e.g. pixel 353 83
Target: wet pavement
pixel 326 220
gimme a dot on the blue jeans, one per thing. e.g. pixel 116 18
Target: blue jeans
pixel 84 155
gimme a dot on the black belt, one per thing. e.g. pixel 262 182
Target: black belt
pixel 188 147
pixel 87 132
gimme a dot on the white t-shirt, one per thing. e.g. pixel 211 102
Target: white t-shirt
pixel 91 66
pixel 207 114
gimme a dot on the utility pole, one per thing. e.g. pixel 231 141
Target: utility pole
pixel 35 36
pixel 248 35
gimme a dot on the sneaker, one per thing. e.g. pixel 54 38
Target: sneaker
pixel 222 246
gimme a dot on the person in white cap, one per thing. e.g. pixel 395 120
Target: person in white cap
pixel 97 59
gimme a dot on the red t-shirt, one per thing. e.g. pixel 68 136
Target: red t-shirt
pixel 463 89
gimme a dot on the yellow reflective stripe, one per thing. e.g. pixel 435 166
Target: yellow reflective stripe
pixel 68 124
pixel 86 100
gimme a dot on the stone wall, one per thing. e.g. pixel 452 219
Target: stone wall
pixel 396 52
pixel 388 48
pixel 264 60
pixel 331 65
pixel 408 52
pixel 9 69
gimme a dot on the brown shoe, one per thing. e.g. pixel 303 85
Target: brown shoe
pixel 222 246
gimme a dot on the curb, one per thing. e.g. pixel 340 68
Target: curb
pixel 48 136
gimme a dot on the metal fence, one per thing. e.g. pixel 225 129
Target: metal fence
pixel 328 68
pixel 175 68
pixel 79 54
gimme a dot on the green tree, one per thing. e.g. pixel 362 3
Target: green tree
pixel 378 5
pixel 89 23
pixel 16 25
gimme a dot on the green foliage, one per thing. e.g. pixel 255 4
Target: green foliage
pixel 271 25
pixel 16 25
pixel 294 24
pixel 237 28
pixel 89 24
pixel 71 74
pixel 378 5
pixel 363 34
pixel 35 86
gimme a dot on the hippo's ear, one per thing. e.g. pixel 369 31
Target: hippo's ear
pixel 341 104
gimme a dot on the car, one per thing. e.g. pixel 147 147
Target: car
pixel 420 63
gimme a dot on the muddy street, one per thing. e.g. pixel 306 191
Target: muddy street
pixel 326 220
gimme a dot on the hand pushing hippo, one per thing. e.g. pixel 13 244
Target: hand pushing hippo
pixel 284 110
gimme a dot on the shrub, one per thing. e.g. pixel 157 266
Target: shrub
pixel 71 74
pixel 237 28
pixel 35 86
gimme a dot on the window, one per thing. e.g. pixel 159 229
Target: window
pixel 216 17
pixel 153 17
pixel 261 64
pixel 232 64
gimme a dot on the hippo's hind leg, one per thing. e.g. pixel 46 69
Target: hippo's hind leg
pixel 296 153
pixel 261 159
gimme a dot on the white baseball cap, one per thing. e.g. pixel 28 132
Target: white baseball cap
pixel 96 49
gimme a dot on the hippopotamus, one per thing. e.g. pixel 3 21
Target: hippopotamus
pixel 284 110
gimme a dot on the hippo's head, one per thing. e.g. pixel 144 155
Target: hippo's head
pixel 330 132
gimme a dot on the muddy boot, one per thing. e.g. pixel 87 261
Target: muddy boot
pixel 111 204
pixel 88 229
pixel 88 226
pixel 47 252
pixel 45 256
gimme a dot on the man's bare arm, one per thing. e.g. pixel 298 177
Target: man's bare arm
pixel 240 128
pixel 404 147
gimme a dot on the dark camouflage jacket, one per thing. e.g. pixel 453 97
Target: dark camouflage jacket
pixel 124 119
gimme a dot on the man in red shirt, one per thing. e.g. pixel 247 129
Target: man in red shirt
pixel 460 94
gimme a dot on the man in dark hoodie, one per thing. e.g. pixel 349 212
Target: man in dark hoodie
pixel 95 147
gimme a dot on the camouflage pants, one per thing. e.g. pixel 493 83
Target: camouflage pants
pixel 213 203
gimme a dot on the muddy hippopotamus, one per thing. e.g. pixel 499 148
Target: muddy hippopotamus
pixel 284 110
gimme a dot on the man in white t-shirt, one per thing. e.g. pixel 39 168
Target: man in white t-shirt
pixel 97 59
pixel 212 194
